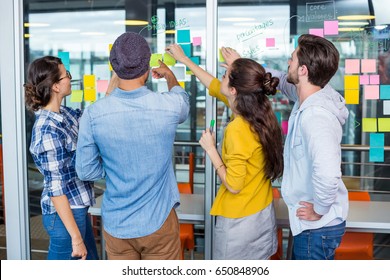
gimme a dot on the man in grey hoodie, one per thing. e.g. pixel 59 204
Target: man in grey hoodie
pixel 316 197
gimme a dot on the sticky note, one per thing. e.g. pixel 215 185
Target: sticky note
pixel 386 107
pixel 220 56
pixel 369 125
pixel 364 79
pixel 331 27
pixel 317 31
pixel 109 63
pixel 187 49
pixel 154 58
pixel 296 37
pixel 182 84
pixel 374 79
pixel 377 140
pixel 90 94
pixel 76 96
pixel 194 59
pixel 371 91
pixel 102 85
pixel 65 59
pixel 189 72
pixel 285 127
pixel 270 42
pixel 197 41
pixel 278 116
pixel 384 124
pixel 384 91
pixel 183 36
pixel 368 65
pixel 352 66
pixel 89 81
pixel 351 82
pixel 351 96
pixel 376 154
pixel 169 60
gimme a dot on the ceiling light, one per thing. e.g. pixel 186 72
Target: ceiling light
pixel 356 17
pixel 131 22
pixel 350 29
pixel 353 23
pixel 35 24
pixel 172 31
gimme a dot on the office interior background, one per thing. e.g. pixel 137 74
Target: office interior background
pixel 81 31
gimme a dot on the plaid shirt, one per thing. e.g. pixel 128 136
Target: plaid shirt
pixel 53 148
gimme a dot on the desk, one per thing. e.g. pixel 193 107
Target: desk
pixel 363 216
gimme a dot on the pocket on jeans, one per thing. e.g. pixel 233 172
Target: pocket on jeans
pixel 330 244
pixel 49 221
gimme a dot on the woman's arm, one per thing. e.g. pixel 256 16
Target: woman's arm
pixel 62 206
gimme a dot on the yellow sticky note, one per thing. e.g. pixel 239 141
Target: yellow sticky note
pixel 221 59
pixel 169 60
pixel 351 82
pixel 369 125
pixel 90 94
pixel 154 59
pixel 89 81
pixel 77 96
pixel 384 124
pixel 351 96
pixel 182 84
pixel 109 51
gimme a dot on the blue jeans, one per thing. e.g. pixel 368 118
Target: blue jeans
pixel 60 247
pixel 318 244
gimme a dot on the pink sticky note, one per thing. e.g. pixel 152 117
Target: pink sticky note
pixel 371 91
pixel 102 85
pixel 374 79
pixel 352 66
pixel 270 42
pixel 285 127
pixel 364 79
pixel 368 65
pixel 197 41
pixel 317 31
pixel 331 27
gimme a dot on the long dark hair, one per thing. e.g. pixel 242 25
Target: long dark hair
pixel 253 85
pixel 42 74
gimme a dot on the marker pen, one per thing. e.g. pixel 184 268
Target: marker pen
pixel 212 122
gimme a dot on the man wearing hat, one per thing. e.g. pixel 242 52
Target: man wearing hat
pixel 127 138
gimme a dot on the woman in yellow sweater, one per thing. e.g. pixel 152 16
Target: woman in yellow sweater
pixel 251 158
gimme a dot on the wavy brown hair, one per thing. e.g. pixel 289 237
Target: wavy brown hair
pixel 42 74
pixel 253 85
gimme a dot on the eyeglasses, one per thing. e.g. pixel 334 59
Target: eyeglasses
pixel 68 75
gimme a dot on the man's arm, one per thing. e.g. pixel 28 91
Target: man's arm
pixel 88 161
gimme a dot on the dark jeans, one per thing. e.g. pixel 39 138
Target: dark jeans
pixel 318 244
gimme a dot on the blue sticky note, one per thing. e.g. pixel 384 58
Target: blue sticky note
pixel 187 48
pixel 279 116
pixel 377 154
pixel 65 59
pixel 377 140
pixel 384 91
pixel 183 36
pixel 195 59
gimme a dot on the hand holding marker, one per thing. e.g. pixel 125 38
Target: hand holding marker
pixel 212 122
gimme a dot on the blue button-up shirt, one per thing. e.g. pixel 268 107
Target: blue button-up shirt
pixel 53 147
pixel 128 138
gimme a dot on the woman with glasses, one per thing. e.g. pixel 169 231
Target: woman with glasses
pixel 65 199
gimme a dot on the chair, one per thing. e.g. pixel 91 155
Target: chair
pixel 356 245
pixel 279 253
pixel 187 239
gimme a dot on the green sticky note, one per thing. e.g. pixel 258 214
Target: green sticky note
pixel 169 60
pixel 76 96
pixel 384 124
pixel 369 125
pixel 183 36
pixel 155 57
pixel 221 59
pixel 351 82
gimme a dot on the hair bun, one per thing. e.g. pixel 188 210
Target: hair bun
pixel 269 84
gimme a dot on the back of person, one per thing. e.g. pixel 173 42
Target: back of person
pixel 134 132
